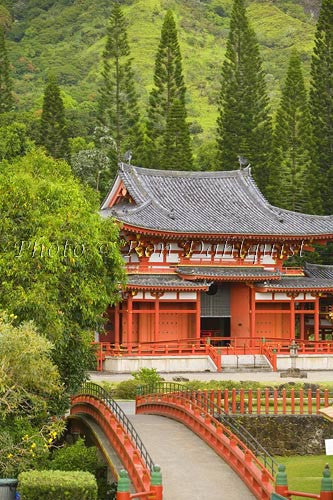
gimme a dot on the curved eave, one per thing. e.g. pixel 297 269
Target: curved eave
pixel 294 289
pixel 218 236
pixel 228 278
pixel 203 288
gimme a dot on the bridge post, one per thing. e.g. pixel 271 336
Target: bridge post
pixel 281 481
pixel 156 482
pixel 123 489
pixel 326 490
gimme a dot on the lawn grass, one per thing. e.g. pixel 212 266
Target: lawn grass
pixel 305 472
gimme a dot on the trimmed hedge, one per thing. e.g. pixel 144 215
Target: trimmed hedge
pixel 57 485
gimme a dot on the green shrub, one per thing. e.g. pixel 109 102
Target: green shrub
pixel 79 457
pixel 76 457
pixel 126 389
pixel 147 376
pixel 57 485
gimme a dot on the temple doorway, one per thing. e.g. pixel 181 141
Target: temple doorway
pixel 215 327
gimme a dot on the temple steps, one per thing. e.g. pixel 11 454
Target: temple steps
pixel 245 362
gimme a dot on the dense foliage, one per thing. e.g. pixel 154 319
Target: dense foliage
pixel 244 123
pixel 67 37
pixel 53 132
pixel 321 102
pixel 57 485
pixel 168 139
pixel 79 457
pixel 30 393
pixel 293 182
pixel 6 97
pixel 60 263
pixel 118 108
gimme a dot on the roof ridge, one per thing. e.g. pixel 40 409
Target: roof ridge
pixel 141 184
pixel 188 173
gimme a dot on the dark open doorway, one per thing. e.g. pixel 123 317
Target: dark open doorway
pixel 215 327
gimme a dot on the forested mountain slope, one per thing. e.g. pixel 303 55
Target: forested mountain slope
pixel 67 37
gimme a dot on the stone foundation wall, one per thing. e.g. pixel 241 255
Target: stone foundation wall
pixel 289 434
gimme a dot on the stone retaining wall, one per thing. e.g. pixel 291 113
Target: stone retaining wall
pixel 289 434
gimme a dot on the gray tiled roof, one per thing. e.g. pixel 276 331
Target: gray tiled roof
pixel 228 272
pixel 301 283
pixel 162 280
pixel 319 271
pixel 221 202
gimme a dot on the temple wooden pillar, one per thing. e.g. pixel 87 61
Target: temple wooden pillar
pixel 157 317
pixel 302 322
pixel 116 325
pixel 292 319
pixel 198 316
pixel 252 316
pixel 129 322
pixel 316 318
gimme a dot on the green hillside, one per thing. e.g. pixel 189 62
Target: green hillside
pixel 67 37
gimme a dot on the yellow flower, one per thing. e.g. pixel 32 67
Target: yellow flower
pixel 10 455
pixel 33 446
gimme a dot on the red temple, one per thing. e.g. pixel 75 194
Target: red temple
pixel 205 255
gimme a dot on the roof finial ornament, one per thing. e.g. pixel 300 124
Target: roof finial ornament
pixel 128 157
pixel 243 162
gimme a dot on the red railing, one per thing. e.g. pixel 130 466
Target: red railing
pixel 92 401
pixel 225 443
pixel 267 401
pixel 173 348
pixel 213 347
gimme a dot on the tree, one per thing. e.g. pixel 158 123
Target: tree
pixel 30 391
pixel 291 183
pixel 321 101
pixel 6 96
pixel 53 132
pixel 13 141
pixel 176 152
pixel 60 263
pixel 118 107
pixel 95 166
pixel 244 124
pixel 168 140
pixel 28 376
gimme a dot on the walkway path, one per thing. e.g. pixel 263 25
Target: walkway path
pixel 191 469
pixel 313 376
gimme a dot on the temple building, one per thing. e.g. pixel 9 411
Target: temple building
pixel 205 255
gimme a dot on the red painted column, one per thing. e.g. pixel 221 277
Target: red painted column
pixel 116 324
pixel 302 322
pixel 198 316
pixel 252 315
pixel 157 318
pixel 316 319
pixel 130 322
pixel 292 318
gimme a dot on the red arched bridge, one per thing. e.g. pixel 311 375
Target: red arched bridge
pixel 191 469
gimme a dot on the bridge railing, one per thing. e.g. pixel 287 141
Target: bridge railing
pixel 91 389
pixel 219 414
pixel 269 401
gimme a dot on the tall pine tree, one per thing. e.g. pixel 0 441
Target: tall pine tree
pixel 292 183
pixel 6 97
pixel 118 106
pixel 168 142
pixel 244 124
pixel 53 132
pixel 321 102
